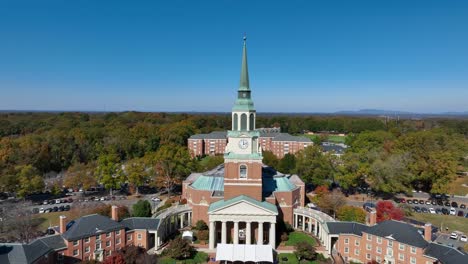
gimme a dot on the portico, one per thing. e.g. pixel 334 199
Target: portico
pixel 242 220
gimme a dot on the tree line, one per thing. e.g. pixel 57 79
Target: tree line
pixel 137 148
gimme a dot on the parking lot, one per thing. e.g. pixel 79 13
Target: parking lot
pixel 438 206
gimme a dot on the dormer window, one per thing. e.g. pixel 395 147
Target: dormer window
pixel 243 171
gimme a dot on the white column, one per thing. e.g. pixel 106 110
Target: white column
pixel 260 233
pixel 316 228
pixel 236 232
pixel 212 234
pixel 310 224
pixel 295 221
pixel 272 235
pixel 182 220
pixel 248 233
pixel 303 223
pixel 223 232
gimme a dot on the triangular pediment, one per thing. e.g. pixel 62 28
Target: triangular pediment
pixel 243 205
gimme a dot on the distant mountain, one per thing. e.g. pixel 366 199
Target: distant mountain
pixel 380 112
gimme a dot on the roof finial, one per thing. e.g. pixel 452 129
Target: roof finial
pixel 245 37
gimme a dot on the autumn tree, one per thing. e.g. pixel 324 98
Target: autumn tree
pixel 331 202
pixel 304 250
pixel 172 163
pixel 287 163
pixel 29 180
pixel 179 248
pixel 386 210
pixel 352 214
pixel 80 175
pixel 115 258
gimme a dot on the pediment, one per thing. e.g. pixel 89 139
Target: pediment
pixel 243 208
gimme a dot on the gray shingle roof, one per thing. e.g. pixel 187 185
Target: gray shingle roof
pixel 288 137
pixel 346 228
pixel 54 242
pixel 91 225
pixel 400 231
pixel 140 223
pixel 13 253
pixel 446 255
pixel 212 135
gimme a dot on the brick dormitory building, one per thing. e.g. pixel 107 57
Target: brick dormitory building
pixel 91 237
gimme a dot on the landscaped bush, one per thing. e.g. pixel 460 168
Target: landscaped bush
pixel 201 225
pixel 202 235
pixel 284 237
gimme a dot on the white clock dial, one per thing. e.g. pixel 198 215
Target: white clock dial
pixel 243 143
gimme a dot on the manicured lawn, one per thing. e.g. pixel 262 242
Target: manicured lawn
pixel 200 257
pixel 50 219
pixel 295 237
pixel 442 221
pixel 457 188
pixel 291 259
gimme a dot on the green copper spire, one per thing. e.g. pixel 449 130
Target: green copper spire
pixel 244 78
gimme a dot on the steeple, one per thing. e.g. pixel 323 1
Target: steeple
pixel 244 78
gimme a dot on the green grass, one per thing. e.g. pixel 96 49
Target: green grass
pixel 442 221
pixel 292 259
pixel 331 138
pixel 50 219
pixel 200 257
pixel 457 188
pixel 295 237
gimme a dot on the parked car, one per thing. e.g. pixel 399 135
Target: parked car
pixel 440 203
pixel 409 201
pixel 67 207
pixel 42 210
pixel 438 211
pixel 417 209
pixel 55 209
pixel 454 236
pixel 462 206
pixel 428 202
pixel 45 202
pixel 421 201
pixel 57 201
pixel 433 202
pixel 445 211
pixel 424 210
pixel 35 210
pixel 447 204
pixel 453 211
pixel 415 201
pixel 432 211
pixel 454 204
pixel 463 238
pixel 155 199
pixel 460 213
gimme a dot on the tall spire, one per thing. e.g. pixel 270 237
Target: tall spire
pixel 244 78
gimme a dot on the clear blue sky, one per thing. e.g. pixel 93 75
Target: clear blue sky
pixel 306 56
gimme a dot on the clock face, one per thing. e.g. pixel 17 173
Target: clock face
pixel 243 143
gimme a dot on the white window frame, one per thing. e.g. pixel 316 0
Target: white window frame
pixel 77 252
pixel 379 240
pixel 246 171
pixel 390 243
pixel 87 239
pixel 346 250
pixel 401 246
pixel 76 243
pixel 129 238
pixel 356 252
pixel 413 250
pixel 108 243
pixel 369 237
pixel 368 256
pixel 356 242
pixel 87 249
pixel 108 234
pixel 379 250
pixel 139 236
pixel 401 256
pixel 346 241
pixel 117 241
pixel 369 246
pixel 117 232
pixel 412 260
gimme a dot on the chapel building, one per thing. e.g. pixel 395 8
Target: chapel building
pixel 243 200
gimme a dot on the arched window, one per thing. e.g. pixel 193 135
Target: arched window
pixel 243 122
pixel 252 122
pixel 242 171
pixel 234 122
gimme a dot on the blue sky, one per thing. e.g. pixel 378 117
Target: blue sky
pixel 304 56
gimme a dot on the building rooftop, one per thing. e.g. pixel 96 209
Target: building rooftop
pixel 15 253
pixel 400 231
pixel 288 137
pixel 90 225
pixel 140 223
pixel 346 228
pixel 445 254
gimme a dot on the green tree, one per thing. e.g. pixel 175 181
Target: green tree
pixel 351 213
pixel 109 171
pixel 287 163
pixel 201 225
pixel 80 175
pixel 136 172
pixel 304 250
pixel 29 180
pixel 142 209
pixel 270 159
pixel 314 166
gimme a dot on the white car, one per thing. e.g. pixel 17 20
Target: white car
pixel 454 236
pixel 57 201
pixel 463 238
pixel 432 211
pixel 453 211
pixel 155 199
pixel 42 210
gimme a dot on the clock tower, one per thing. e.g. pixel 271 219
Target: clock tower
pixel 243 156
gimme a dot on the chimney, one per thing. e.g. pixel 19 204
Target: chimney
pixel 371 217
pixel 428 232
pixel 62 224
pixel 115 213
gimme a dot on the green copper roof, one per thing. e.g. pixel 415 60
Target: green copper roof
pixel 277 184
pixel 244 79
pixel 209 183
pixel 220 204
